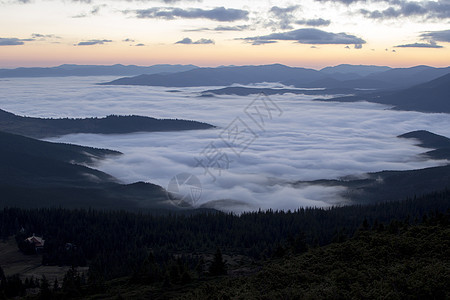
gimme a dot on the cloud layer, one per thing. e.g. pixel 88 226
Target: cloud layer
pixel 13 41
pixel 311 36
pixel 400 8
pixel 309 140
pixel 440 36
pixel 431 38
pixel 93 42
pixel 169 13
pixel 188 41
pixel 420 45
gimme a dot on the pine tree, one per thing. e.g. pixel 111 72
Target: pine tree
pixel 218 265
pixel 44 291
pixel 55 285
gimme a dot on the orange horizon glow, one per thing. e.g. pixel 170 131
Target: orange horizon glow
pixel 297 55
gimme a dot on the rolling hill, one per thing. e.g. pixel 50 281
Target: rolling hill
pixel 37 174
pixel 40 128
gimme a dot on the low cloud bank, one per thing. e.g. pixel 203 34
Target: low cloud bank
pixel 305 140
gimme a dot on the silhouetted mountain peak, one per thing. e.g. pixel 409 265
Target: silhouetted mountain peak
pixel 428 139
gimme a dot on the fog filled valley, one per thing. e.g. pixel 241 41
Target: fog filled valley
pixel 303 140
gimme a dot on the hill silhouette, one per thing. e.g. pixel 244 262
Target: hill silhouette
pixel 431 96
pixel 223 76
pixel 36 174
pixel 40 127
pixel 92 70
pixel 346 77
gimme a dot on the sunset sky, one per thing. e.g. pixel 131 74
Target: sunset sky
pixel 310 33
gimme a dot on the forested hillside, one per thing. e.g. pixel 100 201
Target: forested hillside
pixel 167 253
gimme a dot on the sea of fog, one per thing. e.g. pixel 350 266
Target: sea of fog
pixel 246 162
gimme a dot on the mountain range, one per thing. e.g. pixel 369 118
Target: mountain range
pixel 343 76
pixel 431 96
pixel 93 70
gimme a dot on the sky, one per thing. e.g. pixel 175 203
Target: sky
pixel 309 33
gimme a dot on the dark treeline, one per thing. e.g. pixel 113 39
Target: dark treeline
pixel 397 261
pixel 175 250
pixel 40 127
pixel 116 241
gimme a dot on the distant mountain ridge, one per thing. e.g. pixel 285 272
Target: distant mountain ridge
pixel 377 77
pixel 431 96
pixel 361 70
pixel 340 76
pixel 93 70
pixel 40 127
pixel 223 76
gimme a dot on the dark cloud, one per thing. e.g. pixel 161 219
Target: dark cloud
pixel 430 39
pixel 346 2
pixel 282 17
pixel 309 36
pixel 96 9
pixel 13 41
pixel 44 36
pixel 232 28
pixel 440 36
pixel 139 45
pixel 184 41
pixel 204 41
pixel 314 22
pixel 128 40
pixel 420 45
pixel 400 8
pixel 220 28
pixel 93 42
pixel 262 42
pixel 198 29
pixel 282 11
pixel 188 41
pixel 82 15
pixel 169 13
